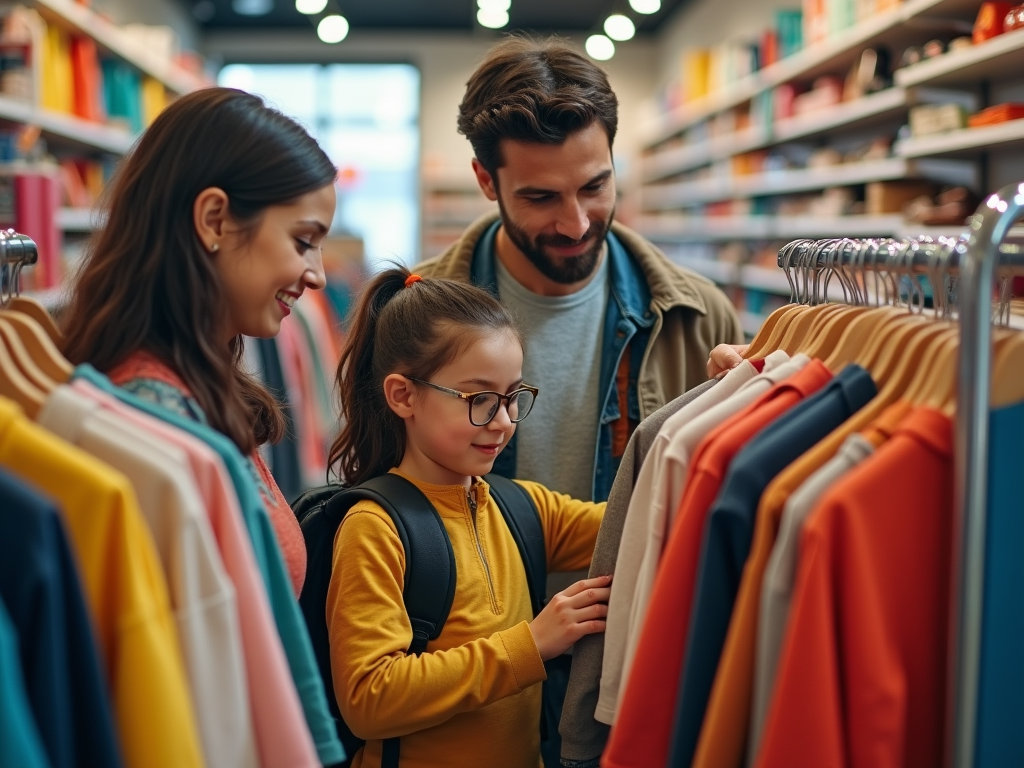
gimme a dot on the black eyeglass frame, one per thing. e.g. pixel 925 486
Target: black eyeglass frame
pixel 470 396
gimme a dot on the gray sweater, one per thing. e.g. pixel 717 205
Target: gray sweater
pixel 583 737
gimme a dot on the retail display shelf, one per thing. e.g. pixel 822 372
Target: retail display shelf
pixel 78 219
pixel 965 142
pixel 80 18
pixel 1000 57
pixel 679 229
pixel 831 55
pixel 671 196
pixel 671 229
pixel 67 128
pixel 751 322
pixel 853 114
pixel 721 272
pixel 768 279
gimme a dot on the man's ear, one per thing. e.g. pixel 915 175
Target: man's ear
pixel 400 395
pixel 209 216
pixel 488 184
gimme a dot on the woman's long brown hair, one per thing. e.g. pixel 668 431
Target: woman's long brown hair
pixel 147 282
pixel 413 331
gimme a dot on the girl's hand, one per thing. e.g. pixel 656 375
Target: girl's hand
pixel 580 610
pixel 724 358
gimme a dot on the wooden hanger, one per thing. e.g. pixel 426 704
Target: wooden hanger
pixel 14 386
pixel 40 346
pixel 767 338
pixel 1008 372
pixel 31 307
pixel 21 357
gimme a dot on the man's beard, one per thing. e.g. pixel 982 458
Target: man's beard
pixel 567 270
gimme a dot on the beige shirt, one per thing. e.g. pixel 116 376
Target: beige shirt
pixel 780 573
pixel 202 595
pixel 684 433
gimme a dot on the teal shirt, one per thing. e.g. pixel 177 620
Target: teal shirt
pixel 20 744
pixel 290 624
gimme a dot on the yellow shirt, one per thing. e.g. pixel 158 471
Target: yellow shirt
pixel 124 587
pixel 472 699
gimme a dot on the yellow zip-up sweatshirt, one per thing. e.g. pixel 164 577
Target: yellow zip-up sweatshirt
pixel 472 699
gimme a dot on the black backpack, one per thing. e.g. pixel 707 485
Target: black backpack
pixel 430 565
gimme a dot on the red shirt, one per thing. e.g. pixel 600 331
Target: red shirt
pixel 642 734
pixel 862 676
pixel 143 365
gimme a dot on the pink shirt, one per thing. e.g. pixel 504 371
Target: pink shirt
pixel 282 737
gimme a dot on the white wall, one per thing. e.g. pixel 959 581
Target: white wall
pixel 445 62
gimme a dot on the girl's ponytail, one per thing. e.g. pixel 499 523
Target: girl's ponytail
pixel 401 324
pixel 372 438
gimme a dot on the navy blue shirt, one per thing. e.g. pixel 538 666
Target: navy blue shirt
pixel 729 530
pixel 1000 738
pixel 40 586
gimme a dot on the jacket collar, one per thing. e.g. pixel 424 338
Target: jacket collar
pixel 666 287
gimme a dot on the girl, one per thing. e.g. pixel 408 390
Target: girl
pixel 431 389
pixel 214 228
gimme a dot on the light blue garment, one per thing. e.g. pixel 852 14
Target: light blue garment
pixel 290 624
pixel 1000 737
pixel 20 745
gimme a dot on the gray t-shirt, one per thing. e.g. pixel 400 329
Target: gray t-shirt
pixel 557 443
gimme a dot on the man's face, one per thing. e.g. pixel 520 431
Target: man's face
pixel 557 201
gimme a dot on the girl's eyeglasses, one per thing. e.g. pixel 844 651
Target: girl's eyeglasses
pixel 483 406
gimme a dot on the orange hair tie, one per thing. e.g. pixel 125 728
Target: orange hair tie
pixel 412 279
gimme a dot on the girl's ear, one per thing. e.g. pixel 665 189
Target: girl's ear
pixel 400 395
pixel 209 214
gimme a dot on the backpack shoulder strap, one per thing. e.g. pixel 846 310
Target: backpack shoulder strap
pixel 523 522
pixel 430 576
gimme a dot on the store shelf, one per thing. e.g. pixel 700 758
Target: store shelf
pixel 721 272
pixel 767 279
pixel 78 219
pixel 851 114
pixel 670 229
pixel 81 19
pixel 854 114
pixel 704 229
pixel 751 322
pixel 671 196
pixel 999 58
pixel 966 142
pixel 67 128
pixel 834 54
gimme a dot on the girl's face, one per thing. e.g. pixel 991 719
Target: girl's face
pixel 263 273
pixel 442 445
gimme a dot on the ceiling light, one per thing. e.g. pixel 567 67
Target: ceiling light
pixel 310 7
pixel 252 7
pixel 492 19
pixel 645 6
pixel 600 47
pixel 494 5
pixel 332 29
pixel 619 27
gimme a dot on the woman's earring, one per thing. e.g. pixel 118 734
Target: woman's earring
pixel 215 247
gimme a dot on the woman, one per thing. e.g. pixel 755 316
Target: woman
pixel 214 227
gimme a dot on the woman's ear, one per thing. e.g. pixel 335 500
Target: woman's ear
pixel 400 395
pixel 209 216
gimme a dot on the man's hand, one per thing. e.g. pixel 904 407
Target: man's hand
pixel 724 358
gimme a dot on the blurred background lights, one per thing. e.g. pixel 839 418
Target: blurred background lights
pixel 619 27
pixel 310 7
pixel 492 18
pixel 332 29
pixel 600 47
pixel 645 6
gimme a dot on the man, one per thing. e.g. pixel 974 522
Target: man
pixel 613 329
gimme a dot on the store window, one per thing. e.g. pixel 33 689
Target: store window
pixel 366 116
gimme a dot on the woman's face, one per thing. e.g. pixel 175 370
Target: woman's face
pixel 263 273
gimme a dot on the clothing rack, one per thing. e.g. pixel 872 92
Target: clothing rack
pixel 16 252
pixel 978 257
